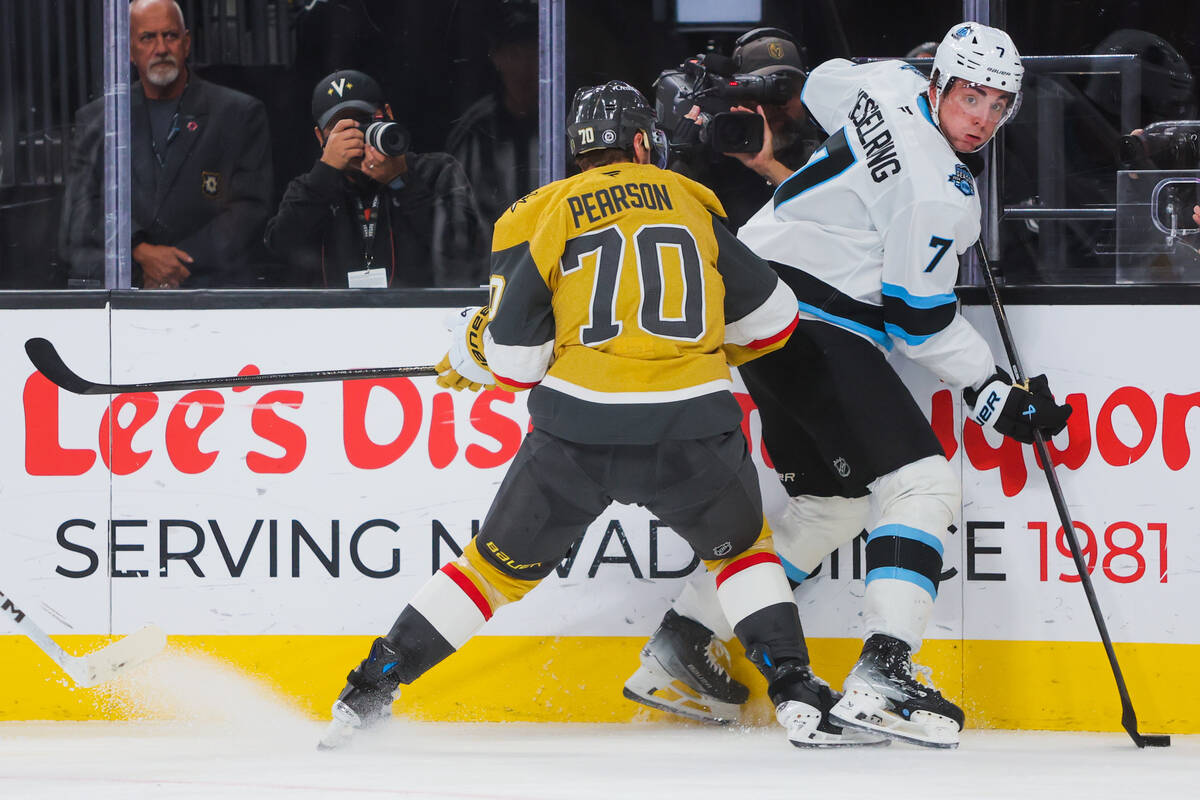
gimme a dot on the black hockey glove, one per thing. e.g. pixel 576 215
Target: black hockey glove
pixel 1017 411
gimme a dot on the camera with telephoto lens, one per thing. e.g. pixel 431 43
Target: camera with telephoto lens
pixel 1172 145
pixel 389 138
pixel 709 83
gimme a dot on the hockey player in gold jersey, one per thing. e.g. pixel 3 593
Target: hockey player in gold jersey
pixel 619 300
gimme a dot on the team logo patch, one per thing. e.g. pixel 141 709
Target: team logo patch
pixel 775 50
pixel 962 180
pixel 961 32
pixel 210 184
pixel 842 466
pixel 608 137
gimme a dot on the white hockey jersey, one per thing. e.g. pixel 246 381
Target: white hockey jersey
pixel 873 224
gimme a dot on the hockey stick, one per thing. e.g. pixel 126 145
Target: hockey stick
pixel 49 363
pixel 1128 716
pixel 93 668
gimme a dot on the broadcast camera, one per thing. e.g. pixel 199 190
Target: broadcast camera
pixel 708 82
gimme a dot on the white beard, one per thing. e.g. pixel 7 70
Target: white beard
pixel 162 74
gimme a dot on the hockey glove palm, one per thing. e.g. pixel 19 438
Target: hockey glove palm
pixel 1017 411
pixel 465 366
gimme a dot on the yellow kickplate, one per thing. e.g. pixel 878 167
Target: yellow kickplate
pixel 1030 685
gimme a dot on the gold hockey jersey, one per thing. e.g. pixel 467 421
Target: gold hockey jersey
pixel 619 298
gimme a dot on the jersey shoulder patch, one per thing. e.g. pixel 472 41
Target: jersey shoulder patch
pixel 962 180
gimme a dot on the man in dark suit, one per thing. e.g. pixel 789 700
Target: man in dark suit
pixel 200 163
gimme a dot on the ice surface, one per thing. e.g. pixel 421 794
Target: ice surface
pixel 529 760
pixel 227 738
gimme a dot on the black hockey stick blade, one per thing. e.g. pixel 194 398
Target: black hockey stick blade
pixel 48 362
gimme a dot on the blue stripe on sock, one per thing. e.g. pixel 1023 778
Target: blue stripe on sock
pixel 902 574
pixel 792 571
pixel 905 532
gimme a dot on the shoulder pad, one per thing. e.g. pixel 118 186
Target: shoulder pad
pixel 523 216
pixel 703 195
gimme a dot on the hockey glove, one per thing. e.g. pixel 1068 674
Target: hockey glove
pixel 1014 410
pixel 465 366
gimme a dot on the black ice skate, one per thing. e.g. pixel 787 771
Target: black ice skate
pixel 685 670
pixel 803 703
pixel 882 695
pixel 367 698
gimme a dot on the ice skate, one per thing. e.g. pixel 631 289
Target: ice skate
pixel 881 695
pixel 685 670
pixel 367 698
pixel 802 705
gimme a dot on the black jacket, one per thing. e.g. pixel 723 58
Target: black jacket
pixel 211 198
pixel 430 232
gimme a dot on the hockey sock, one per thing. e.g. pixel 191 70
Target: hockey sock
pixel 698 601
pixel 757 600
pixel 449 609
pixel 904 550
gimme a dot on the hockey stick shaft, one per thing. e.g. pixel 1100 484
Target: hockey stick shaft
pixel 93 668
pixel 1128 715
pixel 48 362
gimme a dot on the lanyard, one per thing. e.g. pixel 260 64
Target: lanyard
pixel 368 219
pixel 172 131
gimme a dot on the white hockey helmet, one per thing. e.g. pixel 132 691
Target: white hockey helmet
pixel 979 54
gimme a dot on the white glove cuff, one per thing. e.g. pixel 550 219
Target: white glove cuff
pixel 991 400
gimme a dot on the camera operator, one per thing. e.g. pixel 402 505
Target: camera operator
pixel 1170 146
pixel 371 213
pixel 744 181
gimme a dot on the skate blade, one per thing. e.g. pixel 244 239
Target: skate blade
pixel 802 723
pixel 676 697
pixel 869 711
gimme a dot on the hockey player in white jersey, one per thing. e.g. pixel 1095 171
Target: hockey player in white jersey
pixel 867 235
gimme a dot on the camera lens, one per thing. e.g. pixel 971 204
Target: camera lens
pixel 389 138
pixel 735 132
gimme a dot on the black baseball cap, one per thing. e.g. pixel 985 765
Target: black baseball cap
pixel 760 53
pixel 346 88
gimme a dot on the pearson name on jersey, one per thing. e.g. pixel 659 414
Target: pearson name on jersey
pixel 594 206
pixel 868 232
pixel 620 300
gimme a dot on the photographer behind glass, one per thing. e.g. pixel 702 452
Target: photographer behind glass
pixel 371 213
pixel 1171 151
pixel 713 109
